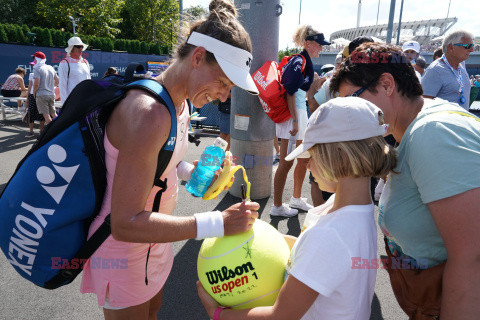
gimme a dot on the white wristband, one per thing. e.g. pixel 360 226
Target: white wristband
pixel 209 225
pixel 185 170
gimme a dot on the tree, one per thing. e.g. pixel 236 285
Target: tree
pixel 11 32
pixel 287 52
pixel 3 34
pixel 18 11
pixel 194 13
pixel 58 39
pixel 100 17
pixel 153 20
pixel 44 38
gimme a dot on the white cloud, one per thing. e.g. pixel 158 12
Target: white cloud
pixel 330 16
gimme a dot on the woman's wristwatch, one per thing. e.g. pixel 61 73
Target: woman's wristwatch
pixel 295 120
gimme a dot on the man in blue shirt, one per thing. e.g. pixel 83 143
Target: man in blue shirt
pixel 447 77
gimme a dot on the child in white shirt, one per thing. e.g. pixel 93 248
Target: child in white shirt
pixel 332 270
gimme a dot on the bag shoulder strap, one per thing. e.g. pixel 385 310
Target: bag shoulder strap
pixel 287 59
pixel 160 93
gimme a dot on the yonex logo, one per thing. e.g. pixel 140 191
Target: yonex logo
pixel 27 232
pixel 249 62
pixel 171 141
pixel 46 175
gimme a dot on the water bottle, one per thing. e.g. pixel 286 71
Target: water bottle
pixel 210 161
pixel 292 144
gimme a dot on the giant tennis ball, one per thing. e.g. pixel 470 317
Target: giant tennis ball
pixel 245 270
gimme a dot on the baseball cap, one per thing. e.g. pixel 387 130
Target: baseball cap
pixel 318 38
pixel 411 45
pixel 235 62
pixel 339 120
pixel 40 55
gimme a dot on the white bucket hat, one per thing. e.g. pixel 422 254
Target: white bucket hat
pixel 75 41
pixel 339 120
pixel 235 62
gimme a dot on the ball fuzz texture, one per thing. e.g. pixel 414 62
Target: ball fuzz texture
pixel 245 270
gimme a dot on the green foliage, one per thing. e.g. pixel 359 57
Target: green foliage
pixel 95 43
pixel 53 37
pixel 118 45
pixel 287 52
pixel 100 17
pixel 44 38
pixel 153 20
pixel 11 32
pixel 165 49
pixel 58 39
pixel 107 44
pixel 26 30
pixel 137 46
pixel 194 13
pixel 3 34
pixel 21 37
pixel 18 11
pixel 144 47
pixel 155 48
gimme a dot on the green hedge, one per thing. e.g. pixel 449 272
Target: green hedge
pixel 44 37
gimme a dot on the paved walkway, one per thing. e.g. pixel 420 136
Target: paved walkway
pixel 22 300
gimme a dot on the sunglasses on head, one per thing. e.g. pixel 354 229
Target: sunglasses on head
pixel 465 45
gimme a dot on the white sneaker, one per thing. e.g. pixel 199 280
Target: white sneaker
pixel 300 203
pixel 283 211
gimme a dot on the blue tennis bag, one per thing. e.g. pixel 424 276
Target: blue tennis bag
pixel 57 188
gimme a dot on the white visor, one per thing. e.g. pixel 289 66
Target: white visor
pixel 235 62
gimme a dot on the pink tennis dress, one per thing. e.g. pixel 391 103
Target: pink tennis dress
pixel 118 269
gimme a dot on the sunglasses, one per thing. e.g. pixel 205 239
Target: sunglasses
pixel 465 45
pixel 362 89
pixel 78 47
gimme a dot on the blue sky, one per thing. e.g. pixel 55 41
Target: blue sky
pixel 331 16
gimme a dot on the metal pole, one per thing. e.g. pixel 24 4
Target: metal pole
pixel 251 131
pixel 449 7
pixel 390 21
pixel 378 10
pixel 359 13
pixel 180 8
pixel 300 12
pixel 399 24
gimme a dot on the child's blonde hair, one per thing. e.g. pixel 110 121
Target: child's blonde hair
pixel 371 157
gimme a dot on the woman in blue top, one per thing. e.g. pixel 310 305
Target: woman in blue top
pixel 296 83
pixel 430 210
